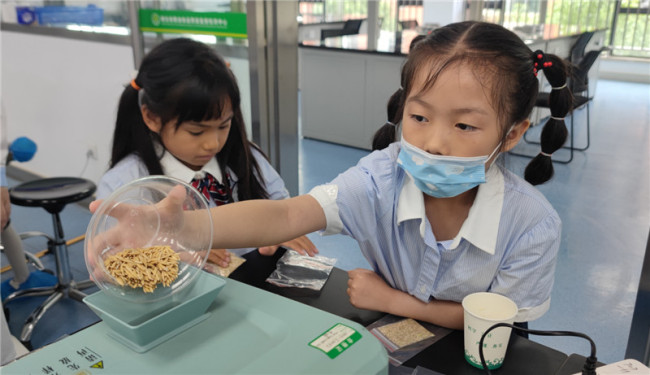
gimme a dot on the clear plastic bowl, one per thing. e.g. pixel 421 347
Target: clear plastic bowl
pixel 131 218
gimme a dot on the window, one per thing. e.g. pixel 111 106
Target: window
pixel 626 20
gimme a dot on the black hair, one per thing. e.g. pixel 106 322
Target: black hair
pixel 500 58
pixel 185 80
pixel 387 133
pixel 554 132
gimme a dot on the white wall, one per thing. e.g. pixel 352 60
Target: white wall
pixel 631 70
pixel 63 93
pixel 344 94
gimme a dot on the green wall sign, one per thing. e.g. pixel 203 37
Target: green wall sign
pixel 187 22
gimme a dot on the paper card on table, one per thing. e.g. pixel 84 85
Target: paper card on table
pixel 627 366
pixel 235 262
pixel 405 332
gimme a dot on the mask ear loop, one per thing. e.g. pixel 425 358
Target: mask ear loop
pixel 494 152
pixel 499 145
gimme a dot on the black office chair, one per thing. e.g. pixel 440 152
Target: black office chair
pixel 578 83
pixel 52 194
pixel 578 49
pixel 351 27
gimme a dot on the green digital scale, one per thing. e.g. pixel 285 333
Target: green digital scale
pixel 244 330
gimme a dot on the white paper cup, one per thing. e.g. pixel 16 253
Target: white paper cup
pixel 483 310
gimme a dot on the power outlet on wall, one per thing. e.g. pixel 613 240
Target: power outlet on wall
pixel 92 152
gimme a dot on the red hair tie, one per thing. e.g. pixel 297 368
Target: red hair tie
pixel 539 61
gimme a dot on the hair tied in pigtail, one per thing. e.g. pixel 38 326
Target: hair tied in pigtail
pixel 387 133
pixel 554 132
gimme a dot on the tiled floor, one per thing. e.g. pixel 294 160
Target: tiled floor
pixel 602 196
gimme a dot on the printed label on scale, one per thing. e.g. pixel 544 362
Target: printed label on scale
pixel 78 361
pixel 336 340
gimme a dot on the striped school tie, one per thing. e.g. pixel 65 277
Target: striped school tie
pixel 212 189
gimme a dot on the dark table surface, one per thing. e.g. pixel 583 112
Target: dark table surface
pixel 445 356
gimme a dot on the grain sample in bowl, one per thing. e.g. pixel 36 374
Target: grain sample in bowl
pixel 144 267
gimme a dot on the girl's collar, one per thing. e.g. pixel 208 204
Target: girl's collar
pixel 173 167
pixel 482 224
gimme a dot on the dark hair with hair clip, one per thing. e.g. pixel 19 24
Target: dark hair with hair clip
pixel 505 63
pixel 554 133
pixel 184 80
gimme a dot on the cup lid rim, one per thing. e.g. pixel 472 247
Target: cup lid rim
pixel 497 295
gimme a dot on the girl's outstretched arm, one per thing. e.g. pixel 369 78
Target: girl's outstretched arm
pixel 256 223
pixel 250 223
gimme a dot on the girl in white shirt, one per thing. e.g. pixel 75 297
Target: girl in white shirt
pixel 181 117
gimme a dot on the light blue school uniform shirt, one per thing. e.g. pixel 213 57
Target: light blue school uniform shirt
pixel 131 168
pixel 508 244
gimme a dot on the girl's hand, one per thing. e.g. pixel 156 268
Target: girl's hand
pixel 220 257
pixel 302 245
pixel 136 225
pixel 367 290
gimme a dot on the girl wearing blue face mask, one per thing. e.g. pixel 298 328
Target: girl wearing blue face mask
pixel 435 217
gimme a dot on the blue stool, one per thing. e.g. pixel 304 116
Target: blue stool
pixel 52 194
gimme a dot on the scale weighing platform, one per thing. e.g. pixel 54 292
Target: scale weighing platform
pixel 247 330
